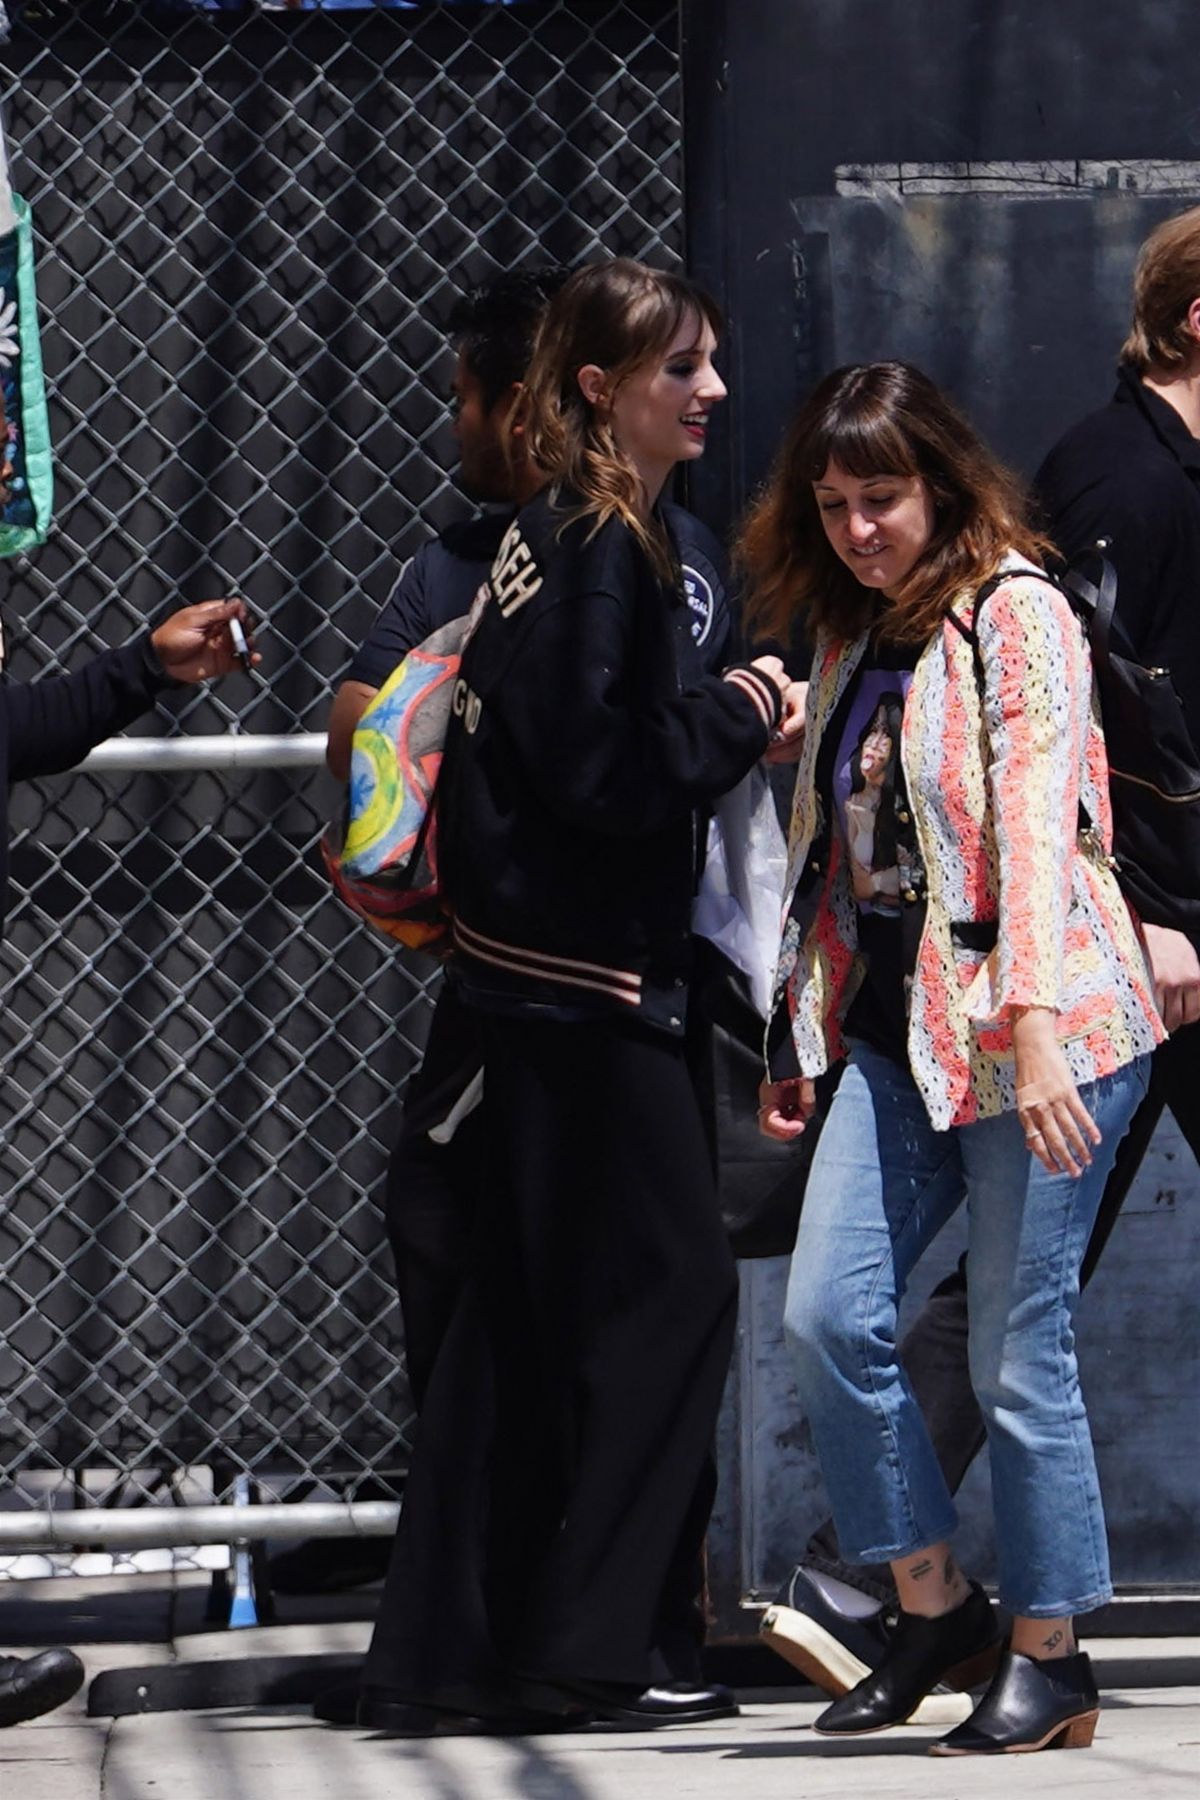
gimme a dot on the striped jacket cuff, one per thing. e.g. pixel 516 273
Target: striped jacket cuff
pixel 763 692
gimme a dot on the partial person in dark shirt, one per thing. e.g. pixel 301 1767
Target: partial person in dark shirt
pixel 431 1180
pixel 47 726
pixel 1129 473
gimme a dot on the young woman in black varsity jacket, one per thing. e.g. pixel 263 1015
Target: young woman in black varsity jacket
pixel 560 1472
pixel 582 753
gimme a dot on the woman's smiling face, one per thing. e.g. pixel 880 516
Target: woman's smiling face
pixel 879 525
pixel 660 411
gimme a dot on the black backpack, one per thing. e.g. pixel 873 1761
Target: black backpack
pixel 1154 772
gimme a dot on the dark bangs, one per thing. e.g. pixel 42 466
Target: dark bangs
pixel 677 297
pixel 859 431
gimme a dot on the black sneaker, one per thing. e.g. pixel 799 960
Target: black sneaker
pixel 835 1651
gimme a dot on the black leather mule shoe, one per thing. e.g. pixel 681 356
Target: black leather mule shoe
pixel 675 1703
pixel 1030 1705
pixel 960 1647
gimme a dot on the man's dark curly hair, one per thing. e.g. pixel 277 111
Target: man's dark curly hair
pixel 495 324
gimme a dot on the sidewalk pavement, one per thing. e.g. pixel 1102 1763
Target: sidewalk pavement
pixel 1148 1742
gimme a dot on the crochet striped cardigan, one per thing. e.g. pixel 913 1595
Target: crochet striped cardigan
pixel 996 779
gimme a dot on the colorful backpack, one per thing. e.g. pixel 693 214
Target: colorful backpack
pixel 382 857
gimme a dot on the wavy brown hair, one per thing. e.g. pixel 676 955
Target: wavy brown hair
pixel 1165 283
pixel 619 315
pixel 869 419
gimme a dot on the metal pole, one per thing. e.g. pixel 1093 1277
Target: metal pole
pixel 227 750
pixel 166 1527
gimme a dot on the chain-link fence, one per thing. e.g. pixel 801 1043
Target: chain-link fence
pixel 252 229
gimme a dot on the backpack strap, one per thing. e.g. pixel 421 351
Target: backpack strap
pixel 1094 601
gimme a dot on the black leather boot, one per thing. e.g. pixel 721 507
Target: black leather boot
pixel 1030 1705
pixel 33 1685
pixel 960 1647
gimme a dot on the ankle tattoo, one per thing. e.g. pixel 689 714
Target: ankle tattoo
pixel 1053 1642
pixel 919 1570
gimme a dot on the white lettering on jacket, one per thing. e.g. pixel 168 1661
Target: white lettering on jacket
pixel 515 578
pixel 466 705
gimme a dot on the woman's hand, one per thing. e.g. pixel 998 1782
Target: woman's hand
pixel 1057 1125
pixel 195 643
pixel 788 742
pixel 784 1108
pixel 772 667
pixel 1176 971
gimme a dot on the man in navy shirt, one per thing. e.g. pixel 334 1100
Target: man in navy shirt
pixel 430 1181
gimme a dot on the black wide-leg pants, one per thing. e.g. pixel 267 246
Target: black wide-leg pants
pixel 571 1412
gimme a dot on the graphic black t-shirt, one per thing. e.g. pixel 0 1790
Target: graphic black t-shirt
pixel 872 819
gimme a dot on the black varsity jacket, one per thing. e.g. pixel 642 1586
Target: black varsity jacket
pixel 576 764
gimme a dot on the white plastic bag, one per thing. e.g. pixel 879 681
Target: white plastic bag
pixel 739 906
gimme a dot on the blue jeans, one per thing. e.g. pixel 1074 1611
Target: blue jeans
pixel 882 1185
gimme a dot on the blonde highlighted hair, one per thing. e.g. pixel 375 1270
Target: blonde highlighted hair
pixel 1165 282
pixel 618 315
pixel 879 419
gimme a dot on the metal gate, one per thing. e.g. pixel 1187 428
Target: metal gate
pixel 252 230
pixel 965 185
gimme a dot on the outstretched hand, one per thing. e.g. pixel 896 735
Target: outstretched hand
pixel 195 643
pixel 1175 968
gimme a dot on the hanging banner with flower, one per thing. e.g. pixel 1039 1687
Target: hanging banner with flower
pixel 26 479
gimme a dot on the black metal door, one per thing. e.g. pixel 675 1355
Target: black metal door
pixel 963 184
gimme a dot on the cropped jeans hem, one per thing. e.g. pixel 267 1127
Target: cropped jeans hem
pixel 882 1553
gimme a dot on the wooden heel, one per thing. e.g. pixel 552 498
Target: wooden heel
pixel 975 1670
pixel 1077 1734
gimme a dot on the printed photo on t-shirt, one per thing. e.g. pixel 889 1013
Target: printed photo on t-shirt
pixel 866 777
